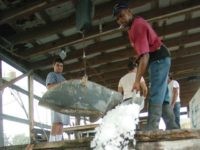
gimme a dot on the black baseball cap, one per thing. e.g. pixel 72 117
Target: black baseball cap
pixel 118 7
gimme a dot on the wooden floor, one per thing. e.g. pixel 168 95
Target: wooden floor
pixel 186 139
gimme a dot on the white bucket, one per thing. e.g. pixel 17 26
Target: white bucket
pixel 10 75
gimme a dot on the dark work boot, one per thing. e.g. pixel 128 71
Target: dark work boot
pixel 168 117
pixel 154 115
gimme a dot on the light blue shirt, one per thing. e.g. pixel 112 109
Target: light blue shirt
pixel 53 78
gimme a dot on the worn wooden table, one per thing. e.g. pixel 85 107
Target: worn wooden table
pixel 185 139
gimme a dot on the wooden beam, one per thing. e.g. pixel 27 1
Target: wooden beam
pixel 184 65
pixel 67 23
pixel 24 121
pixel 17 88
pixel 113 80
pixel 109 67
pixel 15 80
pixel 39 32
pixel 102 59
pixel 122 64
pixel 1 109
pixel 178 75
pixel 117 74
pixel 174 28
pixel 80 128
pixel 186 51
pixel 69 144
pixel 184 39
pixel 186 139
pixel 168 135
pixel 178 27
pixel 27 9
pixel 60 43
pixel 91 49
pixel 31 109
pixel 97 47
pixel 185 83
pixel 175 10
pixel 116 55
pixel 110 75
pixel 185 7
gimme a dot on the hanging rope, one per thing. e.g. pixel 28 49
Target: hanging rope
pixel 85 77
pixel 85 63
pixel 84 56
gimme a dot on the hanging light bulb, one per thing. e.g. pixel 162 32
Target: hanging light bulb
pixel 62 54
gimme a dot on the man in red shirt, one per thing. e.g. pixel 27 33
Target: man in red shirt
pixel 154 55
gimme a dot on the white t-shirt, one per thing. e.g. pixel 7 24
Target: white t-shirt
pixel 126 82
pixel 174 84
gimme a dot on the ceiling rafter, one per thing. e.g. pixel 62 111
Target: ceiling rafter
pixel 123 64
pixel 117 74
pixel 121 53
pixel 27 9
pixel 63 24
pixel 176 27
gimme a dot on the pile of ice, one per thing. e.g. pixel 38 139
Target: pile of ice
pixel 117 128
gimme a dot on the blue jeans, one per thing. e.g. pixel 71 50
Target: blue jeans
pixel 158 76
pixel 176 110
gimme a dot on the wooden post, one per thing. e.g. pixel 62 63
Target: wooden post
pixel 77 122
pixel 1 111
pixel 31 111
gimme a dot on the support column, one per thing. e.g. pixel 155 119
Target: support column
pixel 1 109
pixel 77 122
pixel 31 111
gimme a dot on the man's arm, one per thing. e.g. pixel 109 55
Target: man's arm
pixel 51 80
pixel 143 63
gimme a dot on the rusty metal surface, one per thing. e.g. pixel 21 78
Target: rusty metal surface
pixel 75 98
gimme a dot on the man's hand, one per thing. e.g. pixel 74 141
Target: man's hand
pixel 144 88
pixel 136 86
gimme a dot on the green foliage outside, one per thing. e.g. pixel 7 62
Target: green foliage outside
pixel 18 139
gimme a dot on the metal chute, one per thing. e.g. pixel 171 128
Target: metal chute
pixel 73 98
